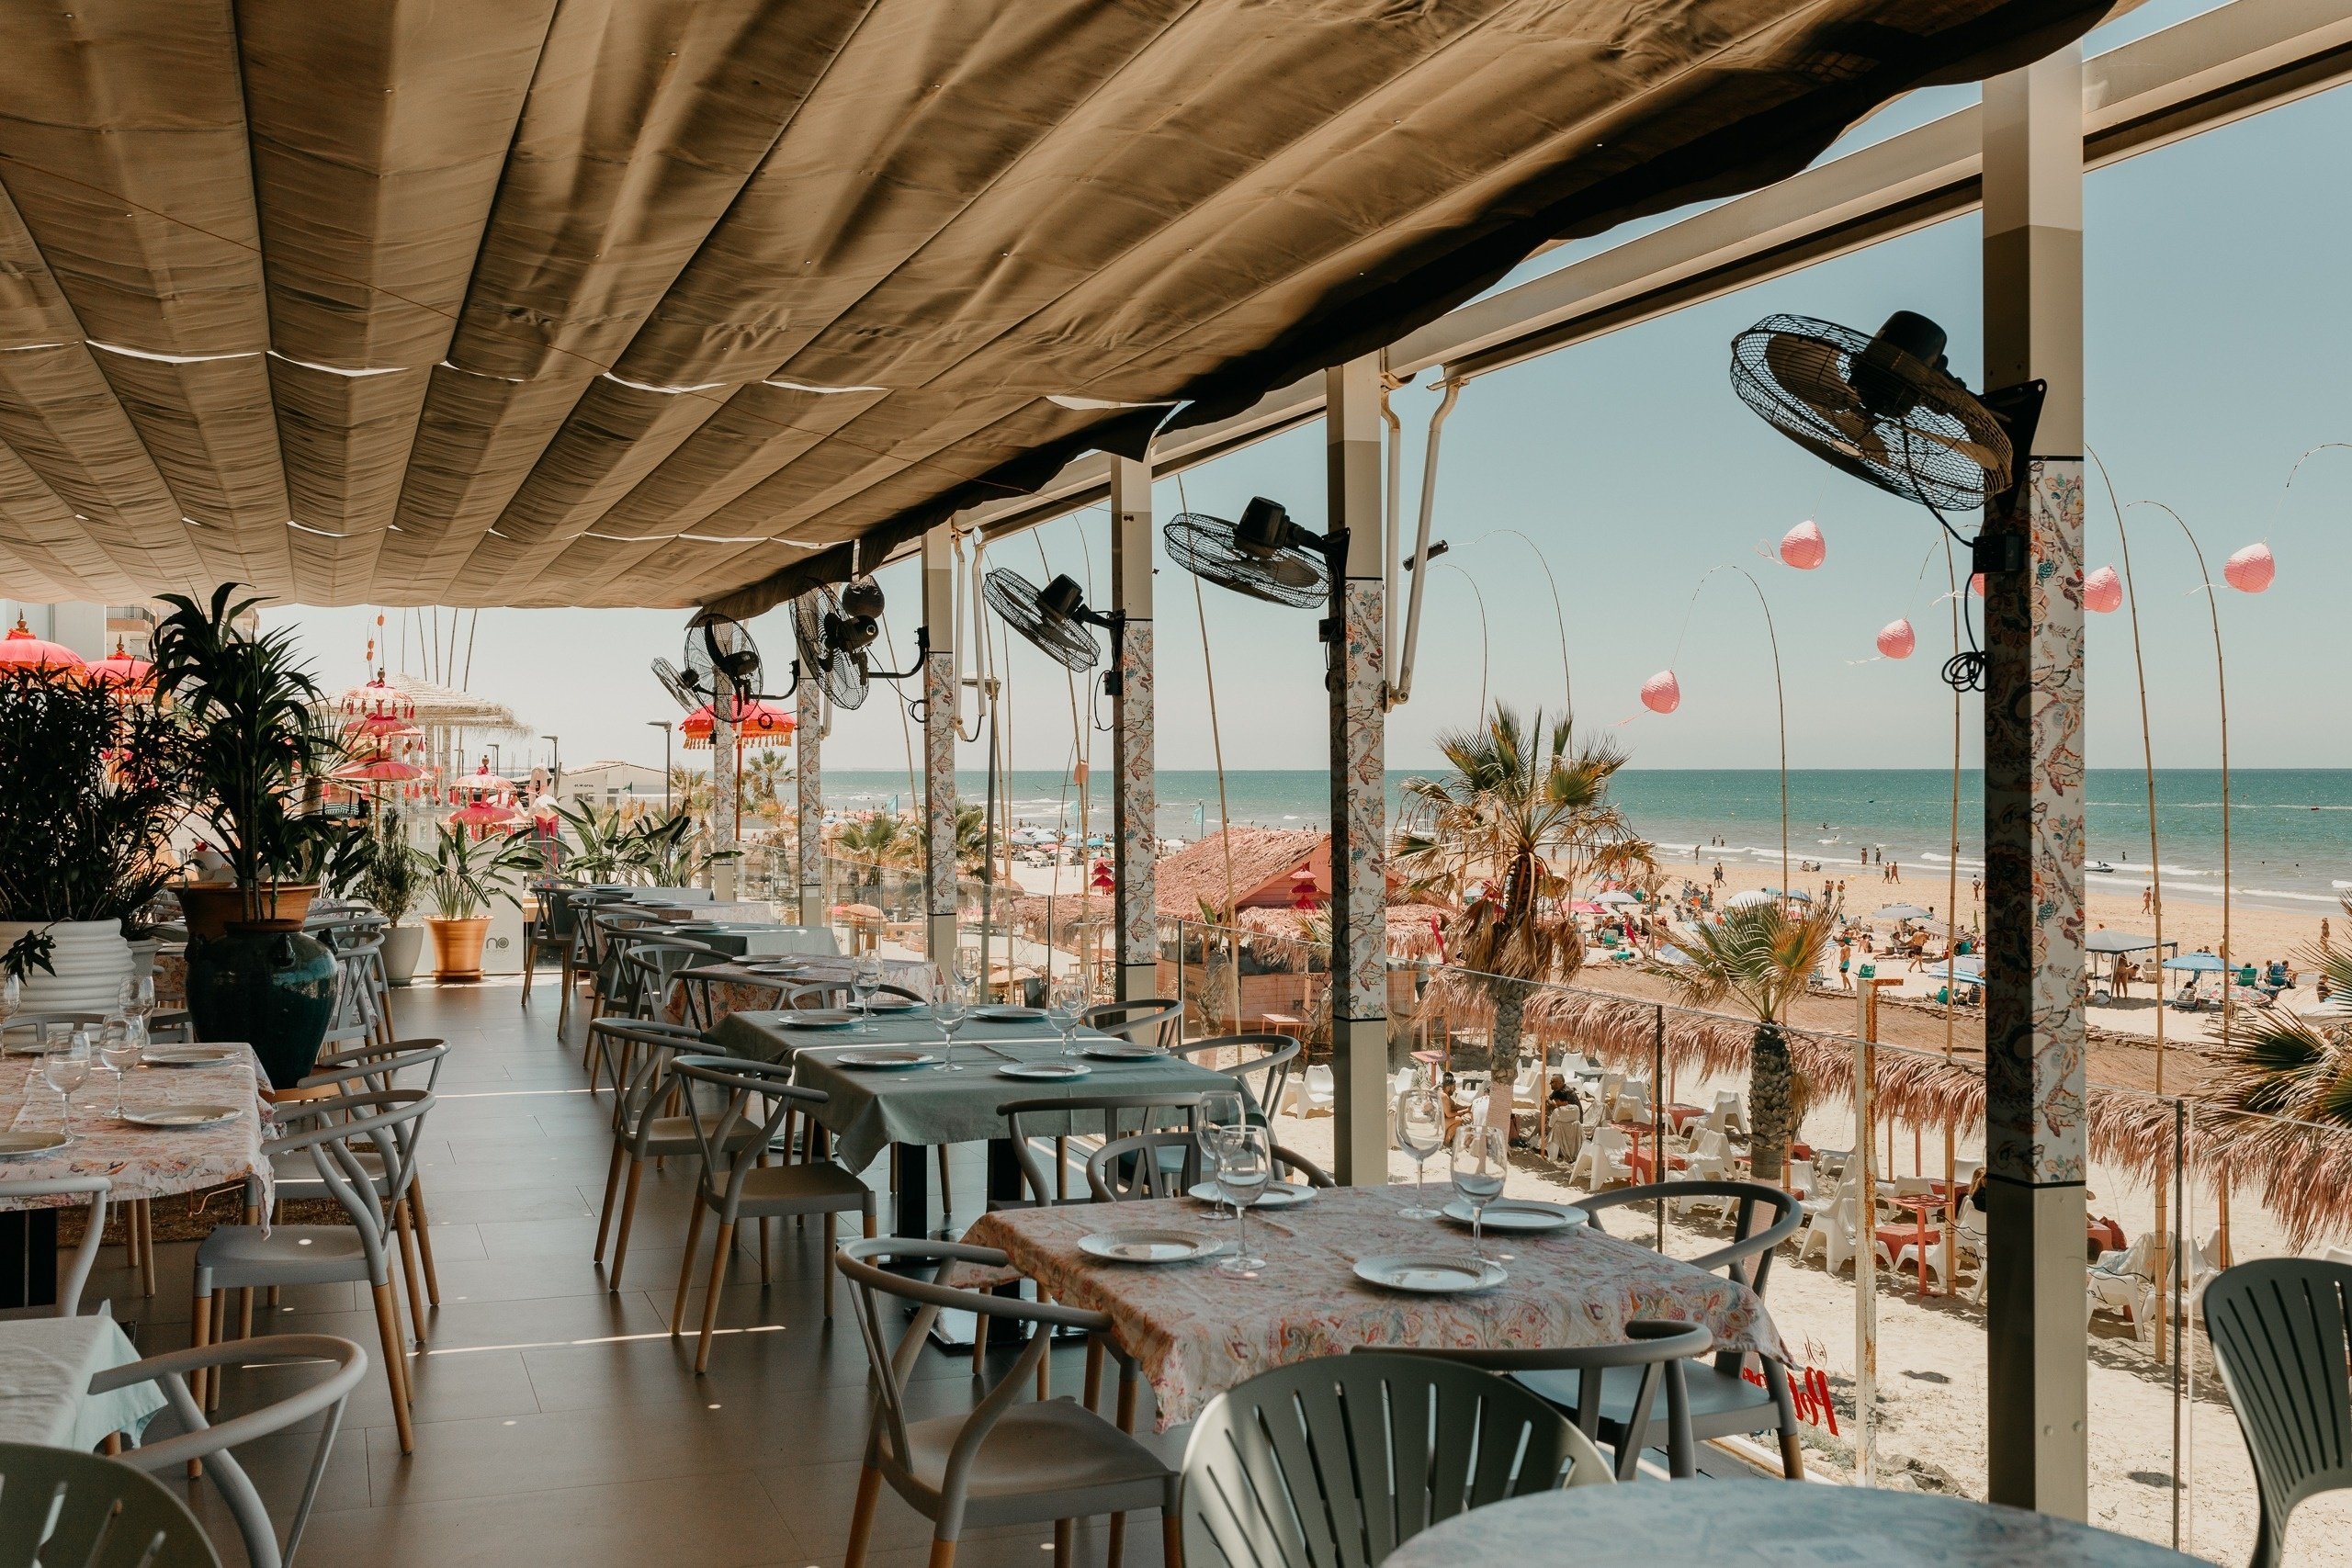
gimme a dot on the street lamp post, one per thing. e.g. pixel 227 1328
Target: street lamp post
pixel 663 726
pixel 555 766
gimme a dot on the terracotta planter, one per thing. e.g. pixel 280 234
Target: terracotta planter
pixel 209 907
pixel 91 958
pixel 457 948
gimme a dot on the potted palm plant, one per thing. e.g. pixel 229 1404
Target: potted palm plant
pixel 248 711
pixel 465 876
pixel 86 825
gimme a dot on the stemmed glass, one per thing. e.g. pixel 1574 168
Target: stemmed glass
pixel 1065 1006
pixel 864 979
pixel 120 1043
pixel 1420 1129
pixel 1219 1112
pixel 135 1001
pixel 12 997
pixel 1245 1164
pixel 67 1068
pixel 1481 1161
pixel 949 1008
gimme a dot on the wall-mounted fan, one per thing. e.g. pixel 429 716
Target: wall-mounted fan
pixel 1887 410
pixel 833 647
pixel 673 680
pixel 1264 554
pixel 1056 621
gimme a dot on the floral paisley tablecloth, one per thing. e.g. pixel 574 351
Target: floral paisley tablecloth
pixel 143 1162
pixel 1196 1333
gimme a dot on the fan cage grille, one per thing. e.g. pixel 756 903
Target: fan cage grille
pixel 1203 545
pixel 1014 597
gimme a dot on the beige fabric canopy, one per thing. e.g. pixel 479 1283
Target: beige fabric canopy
pixel 656 301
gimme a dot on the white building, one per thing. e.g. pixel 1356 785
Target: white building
pixel 611 784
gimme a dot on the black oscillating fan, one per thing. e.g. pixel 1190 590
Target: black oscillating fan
pixel 1053 619
pixel 832 645
pixel 673 680
pixel 1265 555
pixel 1888 410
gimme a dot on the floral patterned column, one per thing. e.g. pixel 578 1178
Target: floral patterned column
pixel 726 789
pixel 1135 803
pixel 808 788
pixel 939 746
pixel 2036 1143
pixel 1355 638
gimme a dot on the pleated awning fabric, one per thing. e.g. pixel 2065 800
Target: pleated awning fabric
pixel 663 302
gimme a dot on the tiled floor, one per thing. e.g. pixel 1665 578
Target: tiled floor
pixel 557 1422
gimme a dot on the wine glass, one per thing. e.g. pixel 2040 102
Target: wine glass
pixel 1065 1006
pixel 1245 1164
pixel 1481 1161
pixel 120 1045
pixel 1219 1112
pixel 12 997
pixel 864 979
pixel 1421 1130
pixel 949 1008
pixel 67 1068
pixel 135 998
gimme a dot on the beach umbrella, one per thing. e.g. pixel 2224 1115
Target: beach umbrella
pixel 1749 900
pixel 378 769
pixel 376 707
pixel 2103 590
pixel 1303 893
pixel 1896 639
pixel 1802 546
pixel 482 814
pixel 2105 940
pixel 22 650
pixel 1616 898
pixel 1971 970
pixel 1662 693
pixel 2251 569
pixel 481 780
pixel 757 725
pixel 1585 906
pixel 119 668
pixel 1899 912
pixel 2195 963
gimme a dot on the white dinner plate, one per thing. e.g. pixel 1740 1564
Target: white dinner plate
pixel 819 1018
pixel 179 1116
pixel 1521 1218
pixel 1047 1071
pixel 1123 1051
pixel 1277 1195
pixel 1432 1274
pixel 18 1145
pixel 1149 1246
pixel 1008 1015
pixel 894 1004
pixel 885 1058
pixel 188 1055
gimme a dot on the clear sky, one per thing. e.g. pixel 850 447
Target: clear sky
pixel 2220 349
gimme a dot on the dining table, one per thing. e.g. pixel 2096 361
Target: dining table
pixel 1195 1331
pixel 46 1365
pixel 141 1162
pixel 1768 1524
pixel 719 990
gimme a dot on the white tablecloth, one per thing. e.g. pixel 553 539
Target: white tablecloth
pixel 46 1365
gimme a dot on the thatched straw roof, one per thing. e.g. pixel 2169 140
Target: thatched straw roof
pixel 1412 928
pixel 1264 860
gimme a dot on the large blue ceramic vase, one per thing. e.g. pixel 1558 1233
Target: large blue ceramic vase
pixel 267 984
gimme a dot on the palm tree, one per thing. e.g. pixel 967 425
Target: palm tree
pixel 765 775
pixel 1760 960
pixel 2288 1066
pixel 1524 819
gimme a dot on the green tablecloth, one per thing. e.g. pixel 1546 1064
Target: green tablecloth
pixel 46 1365
pixel 868 1111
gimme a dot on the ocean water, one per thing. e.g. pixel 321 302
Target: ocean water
pixel 2291 828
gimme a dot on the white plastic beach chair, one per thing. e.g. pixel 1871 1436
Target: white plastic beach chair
pixel 2119 1282
pixel 1729 1114
pixel 1633 1101
pixel 1832 1226
pixel 1604 1161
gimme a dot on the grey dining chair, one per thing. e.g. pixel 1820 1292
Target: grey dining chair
pixel 1121 1114
pixel 63 1509
pixel 1658 1347
pixel 1167 1165
pixel 2279 1332
pixel 357 1071
pixel 549 935
pixel 253 1257
pixel 210 1446
pixel 1008 1461
pixel 1262 1064
pixel 1722 1402
pixel 737 1182
pixel 640 1056
pixel 76 1272
pixel 1147 1021
pixel 1335 1462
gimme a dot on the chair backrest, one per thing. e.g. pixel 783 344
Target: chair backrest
pixel 2279 1328
pixel 389 1121
pixel 1262 1070
pixel 75 1510
pixel 93 1224
pixel 732 1141
pixel 1766 1216
pixel 1122 1114
pixel 1335 1462
pixel 1610 1142
pixel 637 1096
pixel 1147 1021
pixel 1131 1167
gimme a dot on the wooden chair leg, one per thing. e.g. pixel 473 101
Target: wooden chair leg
pixel 947 1190
pixel 943 1554
pixel 1171 1541
pixel 711 1297
pixel 686 1269
pixel 612 1195
pixel 1118 1546
pixel 1094 1370
pixel 1127 1383
pixel 199 1336
pixel 220 1334
pixel 825 1238
pixel 388 1328
pixel 628 1218
pixel 424 1223
pixel 147 1247
pixel 404 1233
pixel 1064 1539
pixel 861 1516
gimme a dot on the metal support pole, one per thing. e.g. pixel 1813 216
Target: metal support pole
pixel 939 748
pixel 1355 648
pixel 808 789
pixel 726 786
pixel 2037 1145
pixel 1135 794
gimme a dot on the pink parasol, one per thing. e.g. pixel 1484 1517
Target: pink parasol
pixel 2252 570
pixel 22 650
pixel 378 769
pixel 375 704
pixel 2103 591
pixel 1662 693
pixel 482 814
pixel 757 724
pixel 119 668
pixel 1804 547
pixel 481 780
pixel 1896 639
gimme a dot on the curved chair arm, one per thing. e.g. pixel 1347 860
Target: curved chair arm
pixel 1032 1172
pixel 202 1439
pixel 741 1078
pixel 369 1063
pixel 1299 1164
pixel 94 1225
pixel 1752 1194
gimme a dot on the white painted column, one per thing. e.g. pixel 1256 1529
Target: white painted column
pixel 808 789
pixel 2037 1432
pixel 1356 634
pixel 1135 799
pixel 726 789
pixel 939 747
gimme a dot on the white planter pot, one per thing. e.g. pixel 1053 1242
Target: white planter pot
pixel 91 958
pixel 400 945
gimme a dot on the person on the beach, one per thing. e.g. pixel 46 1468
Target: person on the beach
pixel 1845 963
pixel 2147 899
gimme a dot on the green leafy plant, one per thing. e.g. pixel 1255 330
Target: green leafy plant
pixel 667 852
pixel 468 874
pixel 90 801
pixel 257 736
pixel 394 869
pixel 599 850
pixel 29 951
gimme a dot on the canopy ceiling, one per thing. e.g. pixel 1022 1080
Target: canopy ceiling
pixel 658 301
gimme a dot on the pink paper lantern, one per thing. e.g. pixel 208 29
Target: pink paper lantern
pixel 2251 569
pixel 1977 584
pixel 1662 693
pixel 1802 546
pixel 2103 590
pixel 1896 639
